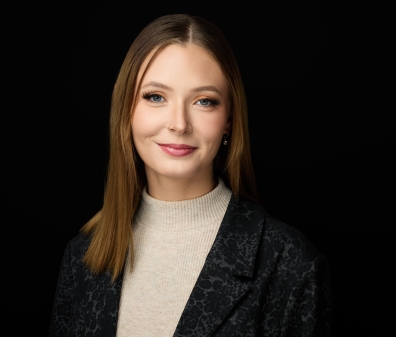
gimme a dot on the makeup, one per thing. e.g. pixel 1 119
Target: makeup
pixel 177 150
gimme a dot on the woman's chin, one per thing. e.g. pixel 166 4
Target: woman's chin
pixel 181 173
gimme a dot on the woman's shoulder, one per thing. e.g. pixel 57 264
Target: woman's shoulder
pixel 282 235
pixel 78 245
pixel 291 251
pixel 282 238
pixel 276 236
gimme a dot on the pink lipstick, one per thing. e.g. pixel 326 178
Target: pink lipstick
pixel 177 150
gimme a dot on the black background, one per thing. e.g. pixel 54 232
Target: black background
pixel 322 139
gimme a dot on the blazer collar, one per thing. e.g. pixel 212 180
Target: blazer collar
pixel 226 275
pixel 237 242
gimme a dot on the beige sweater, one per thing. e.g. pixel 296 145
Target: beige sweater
pixel 171 242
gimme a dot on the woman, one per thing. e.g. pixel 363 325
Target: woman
pixel 181 246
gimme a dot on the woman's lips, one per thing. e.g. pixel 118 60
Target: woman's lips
pixel 177 150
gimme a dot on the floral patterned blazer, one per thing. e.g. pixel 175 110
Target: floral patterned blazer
pixel 261 278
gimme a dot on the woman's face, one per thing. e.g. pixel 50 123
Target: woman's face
pixel 181 113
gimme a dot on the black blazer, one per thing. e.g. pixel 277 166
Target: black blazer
pixel 261 278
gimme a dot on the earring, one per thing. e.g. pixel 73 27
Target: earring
pixel 225 139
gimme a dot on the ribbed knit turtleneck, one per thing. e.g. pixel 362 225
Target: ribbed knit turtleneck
pixel 171 242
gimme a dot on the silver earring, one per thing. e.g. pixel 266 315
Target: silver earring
pixel 225 139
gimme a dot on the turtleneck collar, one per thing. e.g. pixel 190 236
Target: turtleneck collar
pixel 185 214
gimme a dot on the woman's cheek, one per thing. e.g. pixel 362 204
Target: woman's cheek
pixel 145 123
pixel 215 127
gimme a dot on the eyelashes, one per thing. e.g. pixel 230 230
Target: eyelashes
pixel 157 98
pixel 208 102
pixel 152 97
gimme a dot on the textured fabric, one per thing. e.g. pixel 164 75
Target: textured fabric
pixel 171 242
pixel 260 278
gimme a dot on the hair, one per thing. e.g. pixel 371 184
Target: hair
pixel 110 229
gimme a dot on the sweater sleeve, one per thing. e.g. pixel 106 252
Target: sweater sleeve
pixel 62 303
pixel 309 308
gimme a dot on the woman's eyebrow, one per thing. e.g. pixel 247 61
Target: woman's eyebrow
pixel 157 85
pixel 197 89
pixel 207 88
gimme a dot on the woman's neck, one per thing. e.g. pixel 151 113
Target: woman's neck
pixel 176 189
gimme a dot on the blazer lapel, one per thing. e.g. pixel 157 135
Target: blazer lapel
pixel 99 306
pixel 226 275
pixel 111 301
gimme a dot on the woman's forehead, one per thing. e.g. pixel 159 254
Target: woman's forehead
pixel 182 63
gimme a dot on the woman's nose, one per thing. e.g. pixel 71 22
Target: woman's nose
pixel 179 122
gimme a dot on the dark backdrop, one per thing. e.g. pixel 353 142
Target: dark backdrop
pixel 322 141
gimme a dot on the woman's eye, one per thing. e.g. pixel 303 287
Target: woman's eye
pixel 207 102
pixel 155 98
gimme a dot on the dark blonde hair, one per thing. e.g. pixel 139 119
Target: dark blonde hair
pixel 110 228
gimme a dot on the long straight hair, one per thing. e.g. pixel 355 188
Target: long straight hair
pixel 111 227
